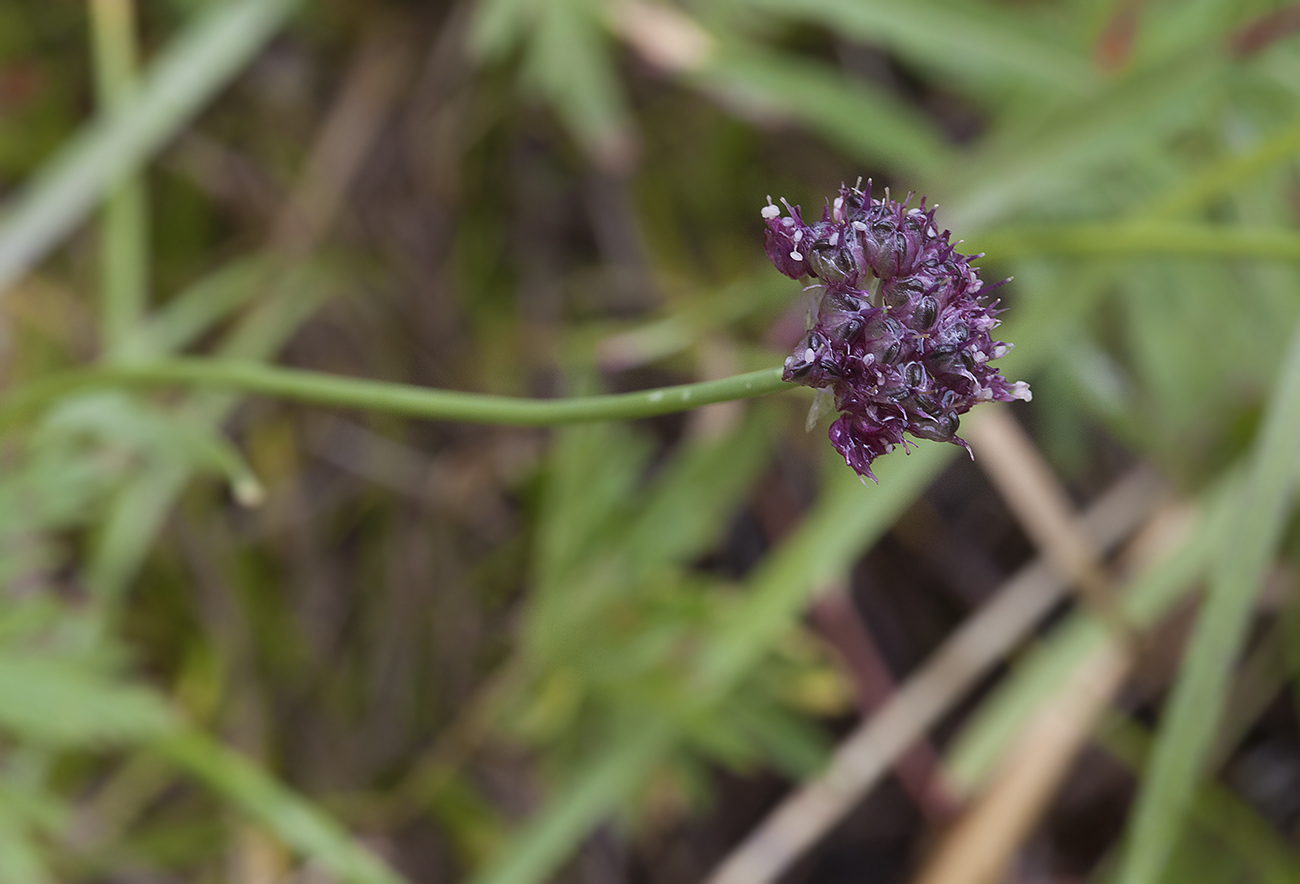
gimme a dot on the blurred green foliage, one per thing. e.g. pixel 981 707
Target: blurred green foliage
pixel 419 613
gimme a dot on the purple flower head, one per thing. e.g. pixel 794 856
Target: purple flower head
pixel 901 333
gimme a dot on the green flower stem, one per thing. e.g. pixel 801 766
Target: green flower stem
pixel 404 399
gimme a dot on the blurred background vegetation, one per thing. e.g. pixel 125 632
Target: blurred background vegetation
pixel 248 640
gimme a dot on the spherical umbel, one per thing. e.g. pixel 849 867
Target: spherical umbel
pixel 901 332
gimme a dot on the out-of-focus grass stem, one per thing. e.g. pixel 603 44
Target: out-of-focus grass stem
pixel 124 246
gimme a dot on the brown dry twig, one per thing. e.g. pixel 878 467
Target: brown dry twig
pixel 973 650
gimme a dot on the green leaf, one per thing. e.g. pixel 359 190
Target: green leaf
pixel 186 75
pixel 1259 512
pixel 56 701
pixel 972 41
pixel 867 123
pixel 294 820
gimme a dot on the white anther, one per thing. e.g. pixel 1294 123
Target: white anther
pixel 796 256
pixel 1020 390
pixel 770 211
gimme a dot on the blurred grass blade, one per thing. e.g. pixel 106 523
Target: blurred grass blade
pixel 1132 238
pixel 567 62
pixel 1145 599
pixel 973 42
pixel 1030 161
pixel 601 787
pixel 1221 178
pixel 1243 557
pixel 124 233
pixel 1218 813
pixel 187 74
pixel 21 856
pixel 852 114
pixel 58 701
pixel 846 519
pixel 194 311
pixel 292 819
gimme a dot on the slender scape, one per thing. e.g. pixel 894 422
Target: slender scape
pixel 393 398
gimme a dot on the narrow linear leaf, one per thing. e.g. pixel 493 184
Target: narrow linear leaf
pixel 64 702
pixel 595 792
pixel 860 119
pixel 295 821
pixel 1143 238
pixel 846 519
pixel 978 42
pixel 1243 558
pixel 185 77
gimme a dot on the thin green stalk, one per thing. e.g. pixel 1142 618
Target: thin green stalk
pixel 382 396
pixel 124 234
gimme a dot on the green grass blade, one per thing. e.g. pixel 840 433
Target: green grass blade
pixel 1144 600
pixel 295 821
pixel 124 234
pixel 1138 238
pixel 593 794
pixel 1220 178
pixel 185 77
pixel 54 701
pixel 1243 558
pixel 860 119
pixel 977 42
pixel 1026 163
pixel 847 518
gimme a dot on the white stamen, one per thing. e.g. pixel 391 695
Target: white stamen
pixel 837 209
pixel 798 235
pixel 796 256
pixel 914 211
pixel 860 225
pixel 835 238
pixel 770 211
pixel 809 356
pixel 1020 390
pixel 984 395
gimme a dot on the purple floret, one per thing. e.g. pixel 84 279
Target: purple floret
pixel 901 335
